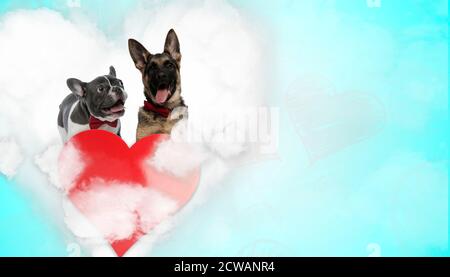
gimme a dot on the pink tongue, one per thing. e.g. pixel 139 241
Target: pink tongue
pixel 161 95
pixel 117 108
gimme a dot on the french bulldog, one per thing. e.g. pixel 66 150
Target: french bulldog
pixel 94 105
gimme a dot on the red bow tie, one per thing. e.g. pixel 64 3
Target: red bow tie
pixel 164 112
pixel 95 123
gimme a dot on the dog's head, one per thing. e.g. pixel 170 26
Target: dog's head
pixel 160 72
pixel 104 96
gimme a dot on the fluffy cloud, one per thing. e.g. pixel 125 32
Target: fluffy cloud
pixel 118 210
pixel 48 163
pixel 10 157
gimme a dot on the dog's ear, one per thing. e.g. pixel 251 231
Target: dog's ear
pixel 112 71
pixel 172 45
pixel 138 53
pixel 76 86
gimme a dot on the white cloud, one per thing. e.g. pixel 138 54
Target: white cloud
pixel 72 166
pixel 61 174
pixel 48 163
pixel 10 157
pixel 118 210
pixel 177 155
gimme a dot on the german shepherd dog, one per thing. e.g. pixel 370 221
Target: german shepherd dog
pixel 164 105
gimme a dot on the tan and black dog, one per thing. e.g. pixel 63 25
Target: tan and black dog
pixel 164 105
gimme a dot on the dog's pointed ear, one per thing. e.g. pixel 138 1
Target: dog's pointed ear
pixel 112 71
pixel 77 87
pixel 138 53
pixel 172 45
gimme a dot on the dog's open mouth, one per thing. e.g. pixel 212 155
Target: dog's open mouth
pixel 117 109
pixel 162 94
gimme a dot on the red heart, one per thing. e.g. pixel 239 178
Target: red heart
pixel 101 155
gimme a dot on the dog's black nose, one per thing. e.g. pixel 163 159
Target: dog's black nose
pixel 162 75
pixel 117 90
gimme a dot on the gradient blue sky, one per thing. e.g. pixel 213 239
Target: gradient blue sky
pixel 389 189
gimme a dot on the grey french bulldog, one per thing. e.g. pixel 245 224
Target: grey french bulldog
pixel 94 105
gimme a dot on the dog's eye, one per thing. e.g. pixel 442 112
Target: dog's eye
pixel 169 65
pixel 152 66
pixel 100 89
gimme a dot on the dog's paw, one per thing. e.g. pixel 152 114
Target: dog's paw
pixel 178 113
